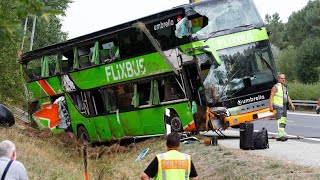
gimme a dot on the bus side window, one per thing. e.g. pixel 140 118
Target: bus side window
pixel 124 94
pixel 65 66
pixel 172 90
pixel 29 74
pixel 84 54
pixel 66 61
pixel 37 72
pixel 96 102
pixel 110 100
pixel 144 93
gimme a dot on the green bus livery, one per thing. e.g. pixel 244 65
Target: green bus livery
pixel 201 66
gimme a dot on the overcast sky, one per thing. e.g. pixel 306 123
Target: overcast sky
pixel 86 16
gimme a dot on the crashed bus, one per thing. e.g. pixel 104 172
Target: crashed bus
pixel 199 66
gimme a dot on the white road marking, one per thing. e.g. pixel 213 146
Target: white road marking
pixel 304 114
pixel 311 139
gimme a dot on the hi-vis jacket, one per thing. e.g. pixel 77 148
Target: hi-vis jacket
pixel 173 165
pixel 280 97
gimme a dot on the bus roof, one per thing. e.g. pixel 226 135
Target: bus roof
pixel 54 48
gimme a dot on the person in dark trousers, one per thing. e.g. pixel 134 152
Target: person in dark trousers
pixel 279 98
pixel 172 165
pixel 9 167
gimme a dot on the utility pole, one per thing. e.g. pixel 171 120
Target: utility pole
pixel 33 29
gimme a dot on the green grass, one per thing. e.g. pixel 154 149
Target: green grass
pixel 48 156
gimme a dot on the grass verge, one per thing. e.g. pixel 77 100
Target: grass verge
pixel 49 156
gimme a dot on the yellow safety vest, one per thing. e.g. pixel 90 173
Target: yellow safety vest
pixel 278 96
pixel 173 165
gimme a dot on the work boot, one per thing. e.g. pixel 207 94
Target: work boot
pixel 282 138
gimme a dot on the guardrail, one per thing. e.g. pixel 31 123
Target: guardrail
pixel 305 103
pixel 19 113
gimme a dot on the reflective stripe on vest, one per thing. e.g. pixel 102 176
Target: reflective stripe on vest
pixel 173 165
pixel 278 96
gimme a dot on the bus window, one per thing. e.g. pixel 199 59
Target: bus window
pixel 198 23
pixel 109 51
pixel 89 102
pixel 110 100
pixel 96 102
pixel 124 94
pixel 144 93
pixel 171 90
pixel 134 43
pixel 84 54
pixel 67 61
pixel 163 31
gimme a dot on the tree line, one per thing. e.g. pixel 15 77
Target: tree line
pixel 13 14
pixel 296 44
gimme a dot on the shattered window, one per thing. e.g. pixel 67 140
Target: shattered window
pixel 217 16
pixel 241 66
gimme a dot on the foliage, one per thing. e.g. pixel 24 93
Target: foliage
pixel 285 62
pixel 308 60
pixel 12 19
pixel 304 23
pixel 298 42
pixel 301 91
pixel 276 27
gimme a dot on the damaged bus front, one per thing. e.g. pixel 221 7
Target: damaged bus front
pixel 233 69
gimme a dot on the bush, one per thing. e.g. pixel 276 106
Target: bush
pixel 299 91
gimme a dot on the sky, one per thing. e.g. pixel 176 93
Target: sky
pixel 86 16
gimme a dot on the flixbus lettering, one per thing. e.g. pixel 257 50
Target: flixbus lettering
pixel 125 70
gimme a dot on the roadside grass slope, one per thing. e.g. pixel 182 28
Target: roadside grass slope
pixel 51 156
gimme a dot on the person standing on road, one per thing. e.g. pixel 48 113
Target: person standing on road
pixel 172 165
pixel 9 167
pixel 279 98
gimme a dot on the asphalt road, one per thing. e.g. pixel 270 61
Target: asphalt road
pixel 304 151
pixel 301 124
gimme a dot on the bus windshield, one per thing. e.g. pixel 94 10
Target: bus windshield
pixel 214 17
pixel 242 67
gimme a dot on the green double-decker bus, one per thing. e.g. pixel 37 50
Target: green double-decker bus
pixel 199 66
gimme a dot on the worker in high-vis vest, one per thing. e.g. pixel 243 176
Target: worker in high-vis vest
pixel 279 98
pixel 172 165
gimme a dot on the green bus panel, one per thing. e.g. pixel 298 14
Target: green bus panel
pixel 152 120
pixel 131 124
pixel 102 128
pixel 44 87
pixel 134 68
pixel 115 126
pixel 227 41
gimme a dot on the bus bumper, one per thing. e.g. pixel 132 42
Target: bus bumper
pixel 248 117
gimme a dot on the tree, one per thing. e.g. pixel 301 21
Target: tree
pixel 285 62
pixel 12 17
pixel 303 24
pixel 277 28
pixel 308 60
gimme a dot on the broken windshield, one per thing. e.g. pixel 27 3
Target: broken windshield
pixel 211 17
pixel 244 66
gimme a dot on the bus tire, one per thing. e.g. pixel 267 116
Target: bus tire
pixel 175 123
pixel 82 134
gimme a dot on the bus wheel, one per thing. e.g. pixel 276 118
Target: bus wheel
pixel 175 123
pixel 83 134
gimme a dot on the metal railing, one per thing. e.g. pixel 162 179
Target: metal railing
pixel 19 113
pixel 305 103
